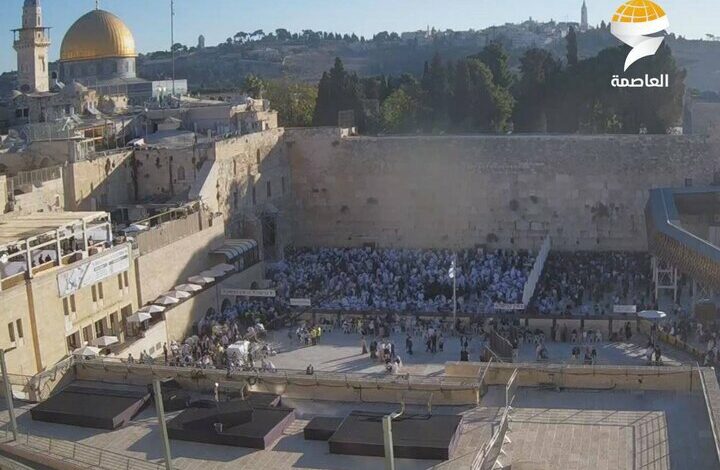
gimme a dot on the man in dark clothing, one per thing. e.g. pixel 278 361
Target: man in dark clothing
pixel 409 345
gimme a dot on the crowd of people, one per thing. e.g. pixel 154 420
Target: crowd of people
pixel 399 280
pixel 592 282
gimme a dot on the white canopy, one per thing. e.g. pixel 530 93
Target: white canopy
pixel 223 267
pixel 202 280
pixel 178 294
pixel 139 317
pixel 652 315
pixel 104 341
pixel 188 287
pixel 152 309
pixel 87 351
pixel 166 300
pixel 212 273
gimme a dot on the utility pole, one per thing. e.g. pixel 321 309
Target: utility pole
pixel 161 421
pixel 453 275
pixel 172 42
pixel 8 395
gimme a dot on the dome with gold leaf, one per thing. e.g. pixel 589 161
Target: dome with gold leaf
pixel 97 35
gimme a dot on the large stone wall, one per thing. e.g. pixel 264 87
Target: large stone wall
pixel 586 192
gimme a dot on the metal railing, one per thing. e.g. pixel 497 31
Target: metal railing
pixel 82 455
pixel 290 376
pixel 711 415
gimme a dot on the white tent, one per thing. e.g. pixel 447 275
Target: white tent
pixel 87 351
pixel 202 280
pixel 652 315
pixel 212 273
pixel 178 294
pixel 152 309
pixel 104 341
pixel 139 317
pixel 188 287
pixel 166 300
pixel 223 267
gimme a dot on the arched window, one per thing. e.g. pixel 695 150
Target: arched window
pixel 181 173
pixel 226 304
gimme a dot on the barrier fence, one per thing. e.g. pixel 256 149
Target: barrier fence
pixel 82 455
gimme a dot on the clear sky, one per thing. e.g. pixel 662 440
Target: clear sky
pixel 219 19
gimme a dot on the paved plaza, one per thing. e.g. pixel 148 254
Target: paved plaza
pixel 339 352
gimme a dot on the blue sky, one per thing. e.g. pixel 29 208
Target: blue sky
pixel 218 19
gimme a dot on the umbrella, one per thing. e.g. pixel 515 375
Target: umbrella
pixel 166 300
pixel 139 317
pixel 87 351
pixel 105 341
pixel 152 309
pixel 188 287
pixel 178 294
pixel 212 273
pixel 201 279
pixel 223 267
pixel 652 315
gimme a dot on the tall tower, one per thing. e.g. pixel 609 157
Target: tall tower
pixel 32 42
pixel 583 17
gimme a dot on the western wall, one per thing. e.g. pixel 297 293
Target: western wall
pixel 586 192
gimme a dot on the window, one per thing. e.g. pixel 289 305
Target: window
pixel 100 290
pixel 93 289
pixel 120 281
pixel 257 157
pixel 87 333
pixel 126 278
pixel 69 304
pixel 18 326
pixel 282 184
pixel 100 328
pixel 254 195
pixel 235 199
pixel 181 173
pixel 269 189
pixel 114 323
pixel 11 332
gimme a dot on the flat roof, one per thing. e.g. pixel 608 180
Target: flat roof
pixel 15 229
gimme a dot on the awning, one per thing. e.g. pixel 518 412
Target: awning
pixel 199 279
pixel 234 249
pixel 189 287
pixel 87 351
pixel 104 341
pixel 178 294
pixel 165 300
pixel 139 317
pixel 152 309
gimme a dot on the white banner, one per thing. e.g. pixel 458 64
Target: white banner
pixel 300 302
pixel 93 271
pixel 249 292
pixel 508 307
pixel 625 309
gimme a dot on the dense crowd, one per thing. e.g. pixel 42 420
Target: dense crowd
pixel 400 280
pixel 592 282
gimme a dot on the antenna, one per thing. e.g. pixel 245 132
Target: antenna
pixel 172 42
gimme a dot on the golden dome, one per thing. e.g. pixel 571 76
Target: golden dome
pixel 97 35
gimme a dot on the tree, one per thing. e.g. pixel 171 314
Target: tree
pixel 495 57
pixel 338 91
pixel 437 91
pixel 283 34
pixel 177 47
pixel 572 48
pixel 538 68
pixel 253 86
pixel 399 112
pixel 240 36
pixel 293 101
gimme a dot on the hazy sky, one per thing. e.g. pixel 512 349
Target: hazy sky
pixel 218 19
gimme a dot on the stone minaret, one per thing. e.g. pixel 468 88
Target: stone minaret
pixel 32 42
pixel 583 17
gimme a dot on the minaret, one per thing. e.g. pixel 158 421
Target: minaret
pixel 32 42
pixel 583 17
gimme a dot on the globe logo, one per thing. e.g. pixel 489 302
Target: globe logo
pixel 634 22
